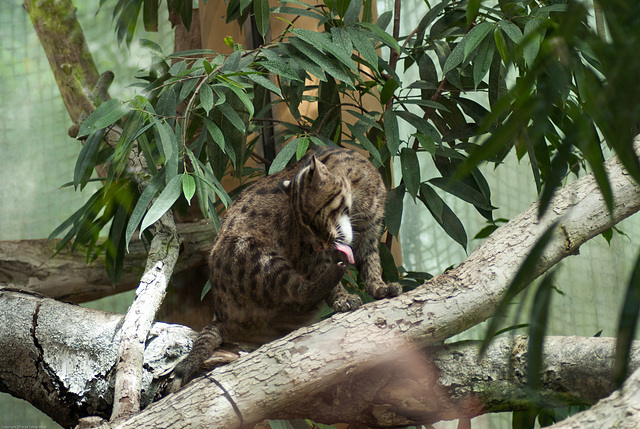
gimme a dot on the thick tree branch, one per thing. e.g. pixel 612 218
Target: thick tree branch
pixel 619 410
pixel 28 265
pixel 42 336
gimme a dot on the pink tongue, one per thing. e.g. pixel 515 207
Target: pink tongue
pixel 347 251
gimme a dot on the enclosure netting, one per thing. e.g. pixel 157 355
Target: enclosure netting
pixel 37 157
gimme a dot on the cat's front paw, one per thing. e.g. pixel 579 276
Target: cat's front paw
pixel 386 290
pixel 348 302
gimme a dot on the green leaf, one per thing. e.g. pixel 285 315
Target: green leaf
pixel 627 325
pixel 218 137
pixel 393 210
pixel 421 125
pixel 130 131
pixel 266 83
pixel 308 11
pixel 511 30
pixel 114 258
pixel 388 90
pixel 474 37
pixel 501 44
pixel 106 114
pixel 364 46
pixel 463 191
pixel 362 140
pixel 391 131
pixel 87 159
pixel 445 217
pixel 341 38
pixel 281 69
pixel 303 61
pixel 233 117
pixel 303 145
pixel 482 61
pixel 385 37
pixel 261 13
pixel 472 11
pixel 533 32
pixel 455 58
pixel 326 63
pixel 232 64
pixel 537 330
pixel 143 203
pixel 283 157
pixel 388 263
pixel 426 142
pixel 352 15
pixel 188 187
pixel 206 98
pixel 244 98
pixel 168 145
pixel 163 203
pixel 205 290
pixel 410 171
pixel 150 15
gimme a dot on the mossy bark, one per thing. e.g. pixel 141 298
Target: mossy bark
pixel 64 44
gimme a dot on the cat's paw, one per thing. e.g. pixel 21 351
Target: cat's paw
pixel 347 302
pixel 386 290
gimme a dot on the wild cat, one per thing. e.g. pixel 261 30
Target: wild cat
pixel 283 248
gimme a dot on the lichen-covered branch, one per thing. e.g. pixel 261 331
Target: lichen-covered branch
pixel 163 254
pixel 63 41
pixel 619 410
pixel 42 336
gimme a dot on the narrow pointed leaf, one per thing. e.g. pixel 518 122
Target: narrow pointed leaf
pixel 283 157
pixel 141 206
pixel 410 171
pixel 106 114
pixel 261 13
pixel 163 203
pixel 188 187
pixel 393 211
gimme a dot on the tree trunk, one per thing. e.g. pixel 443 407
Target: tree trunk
pixel 66 48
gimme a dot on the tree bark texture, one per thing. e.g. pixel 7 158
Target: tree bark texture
pixel 28 265
pixel 619 410
pixel 63 41
pixel 137 323
pixel 61 358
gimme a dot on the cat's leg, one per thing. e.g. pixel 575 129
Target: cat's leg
pixel 339 299
pixel 208 340
pixel 368 262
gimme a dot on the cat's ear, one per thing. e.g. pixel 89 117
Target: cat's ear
pixel 318 171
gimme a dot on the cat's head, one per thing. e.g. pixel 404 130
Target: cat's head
pixel 321 202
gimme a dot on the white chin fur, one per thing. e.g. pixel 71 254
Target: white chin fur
pixel 344 229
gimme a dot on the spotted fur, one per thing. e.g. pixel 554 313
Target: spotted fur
pixel 277 255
